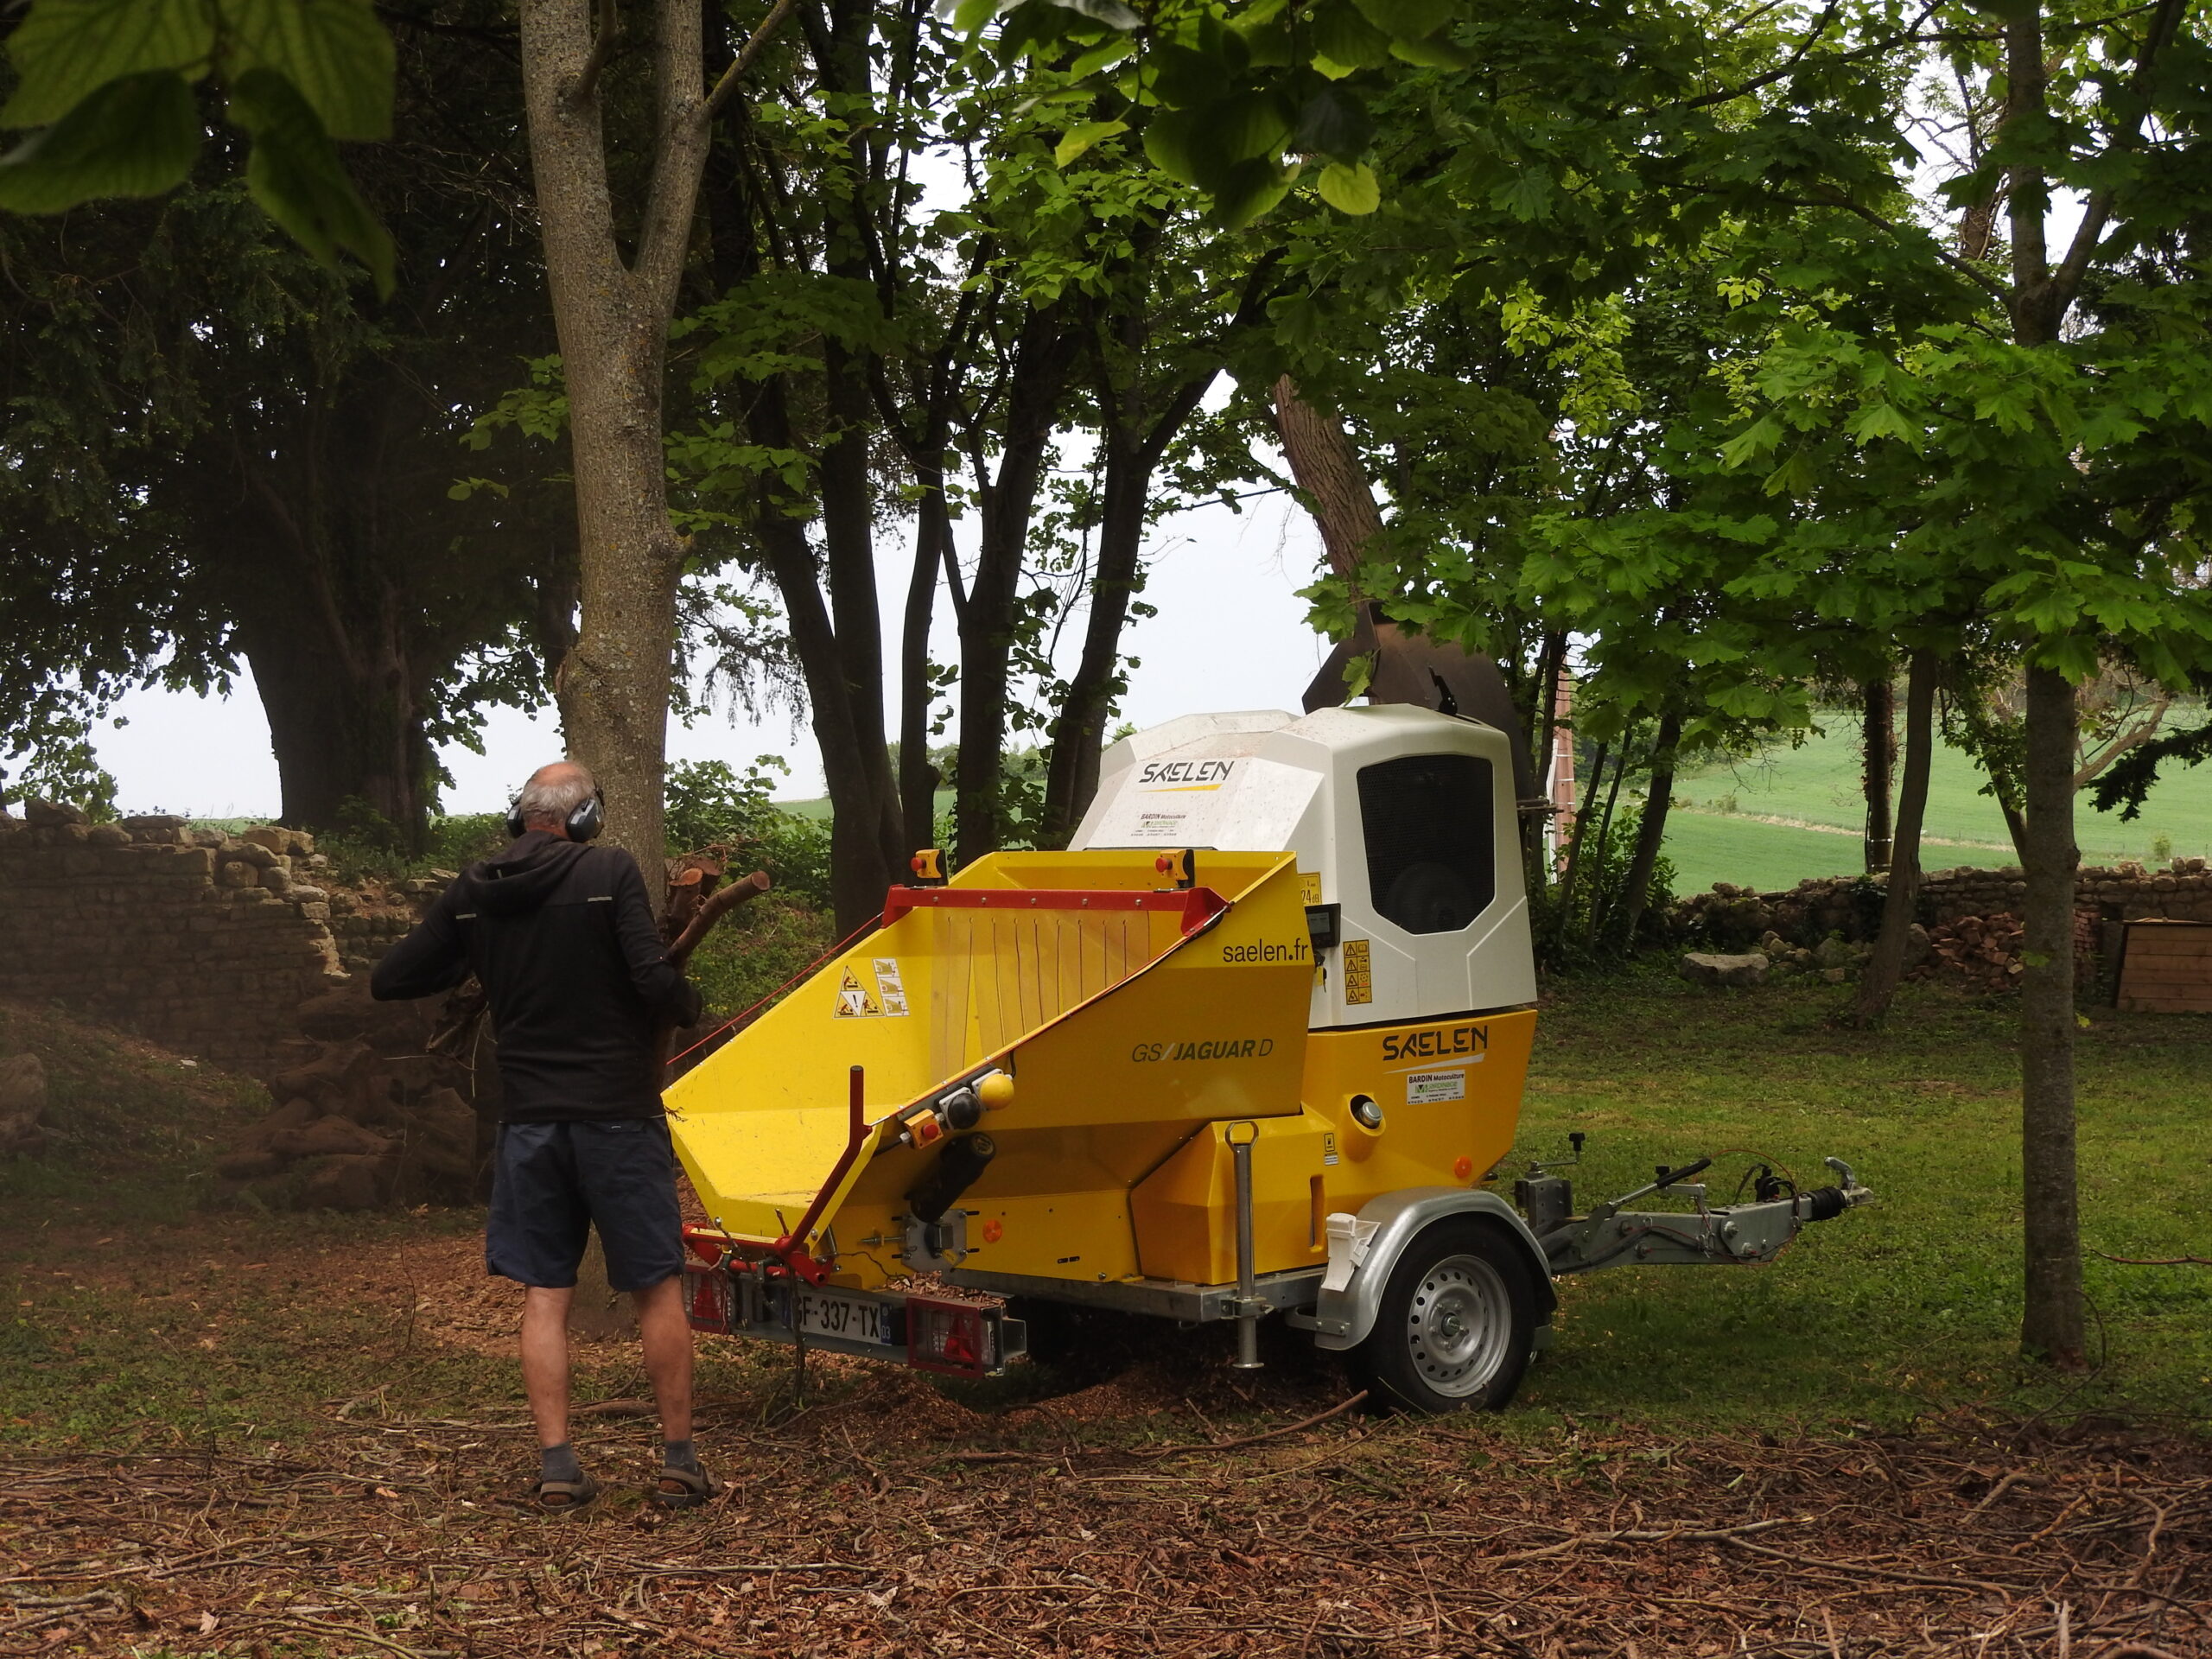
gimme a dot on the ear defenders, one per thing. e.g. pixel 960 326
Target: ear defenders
pixel 585 820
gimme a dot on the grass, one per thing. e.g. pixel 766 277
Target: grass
pixel 1719 837
pixel 1907 1307
pixel 131 1318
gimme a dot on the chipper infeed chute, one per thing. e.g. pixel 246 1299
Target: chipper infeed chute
pixel 1031 1041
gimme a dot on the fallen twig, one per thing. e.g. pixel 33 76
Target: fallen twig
pixel 1148 1453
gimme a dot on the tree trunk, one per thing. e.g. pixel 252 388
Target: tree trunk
pixel 1044 353
pixel 1879 745
pixel 1080 730
pixel 1551 672
pixel 1604 835
pixel 1327 469
pixel 2051 1322
pixel 859 870
pixel 611 320
pixel 1877 981
pixel 1651 829
pixel 346 722
pixel 1565 895
pixel 917 776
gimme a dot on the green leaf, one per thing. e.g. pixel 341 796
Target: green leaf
pixel 1080 138
pixel 1339 34
pixel 1112 13
pixel 1248 190
pixel 1183 79
pixel 1434 53
pixel 1882 421
pixel 294 172
pixel 135 137
pixel 1167 141
pixel 1349 189
pixel 970 15
pixel 1407 19
pixel 1109 51
pixel 65 50
pixel 1334 123
pixel 1757 439
pixel 334 52
pixel 1270 41
pixel 1359 674
pixel 1248 124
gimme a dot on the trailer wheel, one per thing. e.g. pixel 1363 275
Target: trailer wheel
pixel 1455 1325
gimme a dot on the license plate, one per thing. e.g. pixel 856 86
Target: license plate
pixel 824 1313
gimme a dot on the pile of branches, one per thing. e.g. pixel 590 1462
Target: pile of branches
pixel 893 1522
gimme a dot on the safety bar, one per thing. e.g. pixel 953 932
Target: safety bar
pixel 1197 905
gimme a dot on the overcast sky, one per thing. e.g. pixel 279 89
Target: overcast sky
pixel 1230 634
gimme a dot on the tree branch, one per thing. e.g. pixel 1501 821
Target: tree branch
pixel 1980 279
pixel 726 86
pixel 2165 22
pixel 585 87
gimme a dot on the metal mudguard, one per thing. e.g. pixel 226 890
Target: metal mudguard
pixel 1363 1249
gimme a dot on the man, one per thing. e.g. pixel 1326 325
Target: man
pixel 562 938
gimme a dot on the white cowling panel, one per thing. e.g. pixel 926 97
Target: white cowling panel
pixel 1267 781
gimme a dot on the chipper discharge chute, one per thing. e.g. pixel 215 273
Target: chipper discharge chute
pixel 1250 1047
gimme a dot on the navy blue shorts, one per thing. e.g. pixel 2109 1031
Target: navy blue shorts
pixel 552 1182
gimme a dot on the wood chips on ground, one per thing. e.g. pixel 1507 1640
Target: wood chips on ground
pixel 879 1516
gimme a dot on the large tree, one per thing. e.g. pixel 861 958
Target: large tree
pixel 222 450
pixel 617 243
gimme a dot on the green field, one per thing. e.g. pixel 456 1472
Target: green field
pixel 1721 833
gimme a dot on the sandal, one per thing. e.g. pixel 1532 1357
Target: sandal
pixel 561 1497
pixel 684 1488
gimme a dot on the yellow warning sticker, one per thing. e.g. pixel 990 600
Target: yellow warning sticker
pixel 853 1001
pixel 1359 983
pixel 892 987
pixel 1309 887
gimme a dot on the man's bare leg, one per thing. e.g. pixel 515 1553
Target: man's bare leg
pixel 545 1361
pixel 666 1328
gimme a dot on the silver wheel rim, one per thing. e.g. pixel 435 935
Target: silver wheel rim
pixel 1459 1327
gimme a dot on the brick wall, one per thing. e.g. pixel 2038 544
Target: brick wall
pixel 204 943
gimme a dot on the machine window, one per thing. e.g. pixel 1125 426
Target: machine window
pixel 1431 834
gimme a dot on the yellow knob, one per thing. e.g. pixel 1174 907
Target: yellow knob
pixel 996 1091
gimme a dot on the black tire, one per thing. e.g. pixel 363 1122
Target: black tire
pixel 1455 1325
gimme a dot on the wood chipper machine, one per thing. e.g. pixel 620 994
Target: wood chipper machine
pixel 1251 1047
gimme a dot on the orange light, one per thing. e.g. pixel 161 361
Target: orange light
pixel 1463 1168
pixel 993 1232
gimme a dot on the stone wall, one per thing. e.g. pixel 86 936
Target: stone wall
pixel 204 944
pixel 1735 917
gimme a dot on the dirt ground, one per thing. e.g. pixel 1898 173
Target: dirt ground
pixel 1170 1510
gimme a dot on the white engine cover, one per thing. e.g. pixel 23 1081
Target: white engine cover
pixel 1267 781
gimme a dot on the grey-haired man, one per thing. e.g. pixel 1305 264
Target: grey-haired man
pixel 561 936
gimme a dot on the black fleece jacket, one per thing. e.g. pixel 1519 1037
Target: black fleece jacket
pixel 562 940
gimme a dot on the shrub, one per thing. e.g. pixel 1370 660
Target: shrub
pixel 1560 923
pixel 710 805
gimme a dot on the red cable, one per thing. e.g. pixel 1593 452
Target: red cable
pixel 868 926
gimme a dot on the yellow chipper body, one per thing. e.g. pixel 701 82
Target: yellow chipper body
pixel 1163 1076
